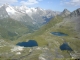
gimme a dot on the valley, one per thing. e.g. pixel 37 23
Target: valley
pixel 49 36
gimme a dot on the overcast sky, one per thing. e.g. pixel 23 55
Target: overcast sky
pixel 56 5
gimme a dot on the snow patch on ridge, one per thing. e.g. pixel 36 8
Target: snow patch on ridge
pixel 10 10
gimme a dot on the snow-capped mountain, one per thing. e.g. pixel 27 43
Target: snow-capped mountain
pixel 26 15
pixel 3 12
pixel 37 14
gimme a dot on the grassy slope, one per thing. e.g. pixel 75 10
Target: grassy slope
pixel 4 33
pixel 37 35
pixel 45 38
pixel 10 29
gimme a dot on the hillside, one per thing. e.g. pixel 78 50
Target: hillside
pixel 65 25
pixel 11 29
pixel 48 38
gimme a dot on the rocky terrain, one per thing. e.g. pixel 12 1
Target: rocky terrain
pixel 49 45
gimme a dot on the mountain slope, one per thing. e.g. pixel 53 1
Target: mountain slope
pixel 65 25
pixel 36 35
pixel 48 44
pixel 12 28
pixel 28 16
pixel 65 13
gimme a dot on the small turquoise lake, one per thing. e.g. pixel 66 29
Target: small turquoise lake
pixel 30 43
pixel 59 34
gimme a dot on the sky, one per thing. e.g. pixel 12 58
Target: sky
pixel 56 5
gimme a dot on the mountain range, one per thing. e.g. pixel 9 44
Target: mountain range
pixel 21 24
pixel 24 14
pixel 30 19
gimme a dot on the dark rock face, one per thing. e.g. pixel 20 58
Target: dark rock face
pixel 75 13
pixel 3 12
pixel 65 13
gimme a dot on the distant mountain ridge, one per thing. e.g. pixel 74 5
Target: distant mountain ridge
pixel 23 13
pixel 19 20
pixel 30 18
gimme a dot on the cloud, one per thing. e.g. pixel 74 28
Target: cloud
pixel 8 1
pixel 71 2
pixel 20 2
pixel 30 2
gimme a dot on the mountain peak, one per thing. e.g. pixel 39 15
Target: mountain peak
pixel 23 6
pixel 38 8
pixel 75 13
pixel 7 9
pixel 65 10
pixel 5 5
pixel 65 13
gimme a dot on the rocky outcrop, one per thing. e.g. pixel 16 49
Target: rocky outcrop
pixel 75 13
pixel 65 13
